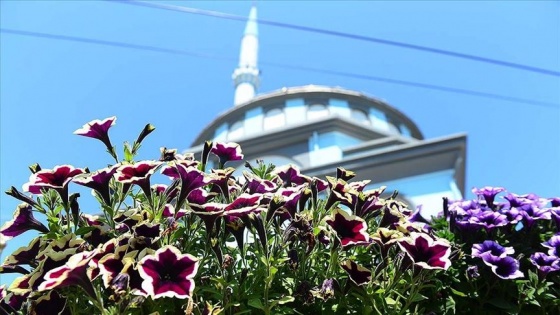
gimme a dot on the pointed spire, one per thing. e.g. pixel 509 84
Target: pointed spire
pixel 246 76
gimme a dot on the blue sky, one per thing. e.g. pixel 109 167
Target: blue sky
pixel 49 87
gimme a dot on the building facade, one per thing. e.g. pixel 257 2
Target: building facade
pixel 319 128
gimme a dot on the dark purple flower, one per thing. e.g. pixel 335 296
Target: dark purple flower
pixel 341 192
pixel 472 272
pixel 553 244
pixel 98 129
pixel 426 252
pixel 114 268
pixel 488 193
pixel 73 272
pixel 139 174
pixel 230 151
pixel 492 248
pixel 50 303
pixel 256 185
pixel 58 179
pixel 358 274
pixel 350 229
pixel 531 213
pixel 344 174
pixel 243 205
pixel 290 174
pixel 26 255
pixel 504 267
pixel 555 215
pixel 555 202
pixel 22 222
pixel 168 273
pixel 191 179
pixel 98 181
pixel 545 263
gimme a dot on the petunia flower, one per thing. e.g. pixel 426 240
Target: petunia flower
pixel 350 229
pixel 256 185
pixel 358 274
pixel 98 129
pixel 26 255
pixel 545 263
pixel 491 248
pixel 488 193
pixel 290 174
pixel 58 179
pixel 168 273
pixel 191 178
pixel 22 222
pixel 138 174
pixel 553 245
pixel 425 252
pixel 226 152
pixel 73 272
pixel 503 267
pixel 98 181
pixel 50 303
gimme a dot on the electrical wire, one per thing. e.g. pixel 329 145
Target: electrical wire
pixel 377 40
pixel 284 66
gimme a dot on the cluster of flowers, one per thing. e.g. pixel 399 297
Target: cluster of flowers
pixel 493 231
pixel 203 241
pixel 516 213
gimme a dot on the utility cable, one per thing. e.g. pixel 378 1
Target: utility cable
pixel 377 40
pixel 285 66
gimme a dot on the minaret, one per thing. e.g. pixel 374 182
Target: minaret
pixel 246 76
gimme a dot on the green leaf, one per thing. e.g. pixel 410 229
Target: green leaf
pixel 283 300
pixel 127 152
pixel 501 303
pixel 458 293
pixel 84 230
pixel 389 300
pixel 418 297
pixel 256 303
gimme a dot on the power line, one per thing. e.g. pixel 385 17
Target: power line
pixel 284 66
pixel 377 40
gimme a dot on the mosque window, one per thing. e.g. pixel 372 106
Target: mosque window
pixel 360 116
pixel 236 130
pixel 274 118
pixel 317 111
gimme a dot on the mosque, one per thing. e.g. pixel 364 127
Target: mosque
pixel 320 128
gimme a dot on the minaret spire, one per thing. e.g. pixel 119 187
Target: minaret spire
pixel 246 76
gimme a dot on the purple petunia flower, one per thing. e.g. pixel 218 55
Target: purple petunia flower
pixel 504 267
pixel 290 174
pixel 50 303
pixel 168 273
pixel 553 244
pixel 358 274
pixel 98 129
pixel 488 193
pixel 58 179
pixel 139 174
pixel 350 229
pixel 191 179
pixel 73 272
pixel 492 248
pixel 26 255
pixel 425 252
pixel 545 263
pixel 230 151
pixel 98 181
pixel 22 222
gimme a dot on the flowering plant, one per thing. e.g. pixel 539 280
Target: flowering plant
pixel 270 241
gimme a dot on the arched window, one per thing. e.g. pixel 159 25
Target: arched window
pixel 274 118
pixel 236 130
pixel 360 116
pixel 317 111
